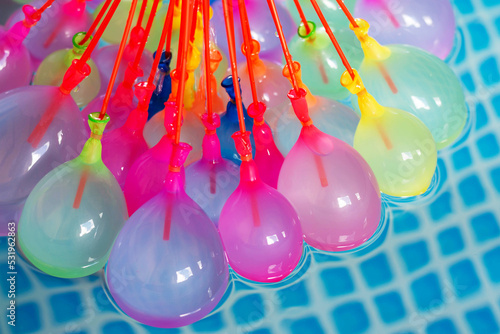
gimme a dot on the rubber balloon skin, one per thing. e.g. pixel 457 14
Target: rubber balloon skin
pixel 16 69
pixel 53 68
pixel 320 61
pixel 163 84
pixel 174 263
pixel 261 24
pixel 122 146
pixel 73 215
pixel 56 29
pixel 427 24
pixel 212 179
pixel 331 186
pixel 397 145
pixel 259 227
pixel 331 10
pixel 93 4
pixel 22 166
pixel 434 93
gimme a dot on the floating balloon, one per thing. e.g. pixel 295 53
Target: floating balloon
pixel 333 14
pixel 171 257
pixel 93 4
pixel 258 226
pixel 105 60
pixel 64 19
pixel 211 180
pixel 321 62
pixel 163 84
pixel 261 23
pixel 53 68
pixel 396 144
pixel 427 24
pixel 410 79
pixel 330 185
pixel 40 128
pixel 332 117
pixel 229 124
pixel 122 146
pixel 73 215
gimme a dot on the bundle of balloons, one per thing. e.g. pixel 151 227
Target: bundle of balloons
pixel 109 157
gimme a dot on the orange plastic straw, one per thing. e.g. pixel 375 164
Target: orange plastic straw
pixel 228 18
pixel 208 79
pixel 302 16
pixel 284 46
pixel 141 13
pixel 149 24
pixel 46 5
pixel 332 37
pixel 123 42
pixel 247 42
pixel 347 13
pixel 169 22
pixel 81 188
pixel 96 22
pixel 194 19
pixel 183 41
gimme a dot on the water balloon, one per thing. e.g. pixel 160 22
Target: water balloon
pixel 163 84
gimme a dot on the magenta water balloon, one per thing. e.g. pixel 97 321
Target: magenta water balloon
pixel 260 229
pixel 168 268
pixel 40 128
pixel 331 186
pixel 57 27
pixel 261 25
pixel 427 24
pixel 15 70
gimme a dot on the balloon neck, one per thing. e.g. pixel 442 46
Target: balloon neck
pixel 310 98
pixel 132 72
pixel 175 78
pixel 300 106
pixel 78 50
pixel 91 152
pixel 371 48
pixel 368 106
pixel 194 60
pixel 249 172
pixel 76 72
pixel 74 8
pixel 258 66
pixel 180 153
pixel 211 143
pixel 215 59
pixel 232 112
pixel 138 117
pixel 307 34
pixel 243 145
pixel 174 181
pixel 136 36
pixel 170 118
pixel 18 32
pixel 176 16
pixel 256 111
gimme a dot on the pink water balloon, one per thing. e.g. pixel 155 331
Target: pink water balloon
pixel 171 257
pixel 427 24
pixel 258 226
pixel 123 146
pixel 330 185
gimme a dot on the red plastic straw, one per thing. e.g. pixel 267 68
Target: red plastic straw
pixel 128 27
pixel 141 13
pixel 194 20
pixel 347 13
pixel 284 46
pixel 332 37
pixel 302 16
pixel 247 38
pixel 46 5
pixel 208 79
pixel 96 22
pixel 149 24
pixel 169 22
pixel 167 27
pixel 183 41
pixel 228 18
pixel 81 188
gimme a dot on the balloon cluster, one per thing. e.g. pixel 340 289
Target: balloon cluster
pixel 214 172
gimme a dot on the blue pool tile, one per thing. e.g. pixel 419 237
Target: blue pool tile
pixel 488 146
pixel 248 309
pixel 306 325
pixel 441 207
pixel 390 307
pixel 450 241
pixel 415 255
pixel 102 301
pixel 443 326
pixel 351 318
pixel 482 321
pixel 404 222
pixel 480 38
pixel 481 116
pixel 489 71
pixel 427 292
pixel 461 158
pixel 376 270
pixel 66 306
pixel 495 178
pixel 468 82
pixel 261 331
pixel 490 3
pixel 497 24
pixel 27 318
pixel 464 278
pixel 495 101
pixel 471 190
pixel 491 259
pixel 294 295
pixel 51 281
pixel 337 281
pixel 464 6
pixel 22 282
pixel 211 323
pixel 117 327
pixel 485 227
